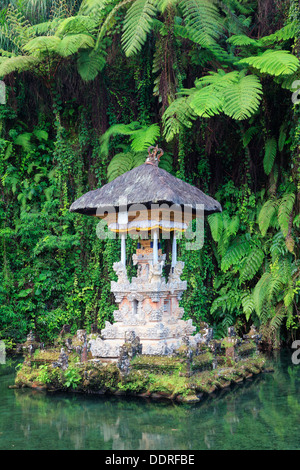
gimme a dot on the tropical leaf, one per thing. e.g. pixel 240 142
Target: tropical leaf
pixel 42 45
pixel 248 305
pixel 243 40
pixel 76 25
pixel 249 134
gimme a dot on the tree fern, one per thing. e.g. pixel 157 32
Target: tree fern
pixel 76 25
pixel 126 161
pixel 143 138
pixel 137 25
pixel 273 62
pixel 242 99
pixel 233 93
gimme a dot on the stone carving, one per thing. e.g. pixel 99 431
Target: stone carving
pixel 121 272
pixel 176 272
pixel 155 272
pixel 63 360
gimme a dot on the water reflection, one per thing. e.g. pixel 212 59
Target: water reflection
pixel 264 414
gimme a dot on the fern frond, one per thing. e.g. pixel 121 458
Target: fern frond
pixel 90 63
pixel 282 137
pixel 42 45
pixel 251 264
pixel 204 18
pixel 72 43
pixel 17 64
pixel 143 138
pixel 249 134
pixel 242 99
pixel 123 162
pixel 290 31
pixel 76 25
pixel 285 209
pixel 238 250
pixel 216 225
pixel 273 62
pixel 248 305
pixel 177 116
pixel 89 7
pixel 242 40
pixel 137 25
pixel 261 293
pixel 267 215
pixel 270 155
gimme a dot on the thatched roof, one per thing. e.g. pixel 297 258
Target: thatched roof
pixel 145 184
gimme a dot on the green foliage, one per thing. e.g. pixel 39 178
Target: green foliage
pixel 89 87
pixel 72 378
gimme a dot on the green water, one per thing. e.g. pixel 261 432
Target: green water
pixel 263 414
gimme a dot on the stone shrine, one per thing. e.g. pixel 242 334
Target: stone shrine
pixel 148 202
pixel 148 308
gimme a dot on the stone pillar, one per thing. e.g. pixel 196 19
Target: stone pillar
pixel 123 249
pixel 174 250
pixel 155 247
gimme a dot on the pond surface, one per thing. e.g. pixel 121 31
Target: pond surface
pixel 262 414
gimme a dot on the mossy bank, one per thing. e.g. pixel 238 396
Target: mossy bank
pixel 189 375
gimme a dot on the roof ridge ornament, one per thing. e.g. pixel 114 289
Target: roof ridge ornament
pixel 153 158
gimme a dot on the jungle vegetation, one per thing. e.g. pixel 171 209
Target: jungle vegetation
pixel 89 86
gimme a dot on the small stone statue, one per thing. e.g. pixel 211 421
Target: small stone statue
pixel 176 272
pixel 121 272
pixel 155 272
